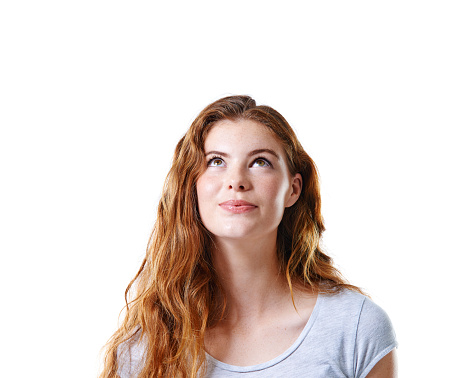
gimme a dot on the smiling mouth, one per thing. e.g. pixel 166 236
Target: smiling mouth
pixel 238 206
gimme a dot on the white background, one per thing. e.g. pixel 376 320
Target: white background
pixel 94 96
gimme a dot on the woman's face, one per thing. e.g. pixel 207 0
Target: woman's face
pixel 246 185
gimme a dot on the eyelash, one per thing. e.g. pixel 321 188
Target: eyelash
pixel 257 159
pixel 214 158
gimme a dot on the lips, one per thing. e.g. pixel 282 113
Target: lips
pixel 237 206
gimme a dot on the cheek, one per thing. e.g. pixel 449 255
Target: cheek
pixel 205 188
pixel 276 189
pixel 206 192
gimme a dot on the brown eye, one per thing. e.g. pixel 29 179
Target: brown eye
pixel 261 163
pixel 216 162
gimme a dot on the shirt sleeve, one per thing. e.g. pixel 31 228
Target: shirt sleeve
pixel 375 338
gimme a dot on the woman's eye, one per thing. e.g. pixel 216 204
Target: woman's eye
pixel 261 163
pixel 216 162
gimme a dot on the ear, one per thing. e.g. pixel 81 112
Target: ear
pixel 296 187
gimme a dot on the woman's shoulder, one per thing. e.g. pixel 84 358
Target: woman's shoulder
pixel 351 312
pixel 131 355
pixel 352 303
pixel 342 303
pixel 361 325
pixel 345 300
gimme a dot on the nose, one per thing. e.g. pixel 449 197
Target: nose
pixel 238 180
pixel 236 186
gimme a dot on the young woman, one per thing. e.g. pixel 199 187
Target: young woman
pixel 234 283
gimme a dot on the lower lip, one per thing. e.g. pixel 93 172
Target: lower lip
pixel 238 209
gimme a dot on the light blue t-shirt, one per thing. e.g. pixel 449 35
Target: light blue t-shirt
pixel 345 336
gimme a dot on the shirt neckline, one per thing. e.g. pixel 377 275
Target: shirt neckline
pixel 282 356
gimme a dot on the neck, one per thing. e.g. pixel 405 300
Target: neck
pixel 249 274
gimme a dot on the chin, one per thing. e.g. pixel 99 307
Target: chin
pixel 222 233
pixel 239 233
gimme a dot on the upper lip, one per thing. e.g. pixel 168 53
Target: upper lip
pixel 236 203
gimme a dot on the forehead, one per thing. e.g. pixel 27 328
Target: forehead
pixel 245 133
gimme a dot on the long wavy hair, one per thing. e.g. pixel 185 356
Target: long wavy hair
pixel 170 303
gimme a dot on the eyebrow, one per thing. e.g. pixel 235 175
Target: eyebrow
pixel 252 153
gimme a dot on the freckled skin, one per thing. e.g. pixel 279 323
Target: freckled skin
pixel 262 179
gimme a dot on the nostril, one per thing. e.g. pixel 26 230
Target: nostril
pixel 237 187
